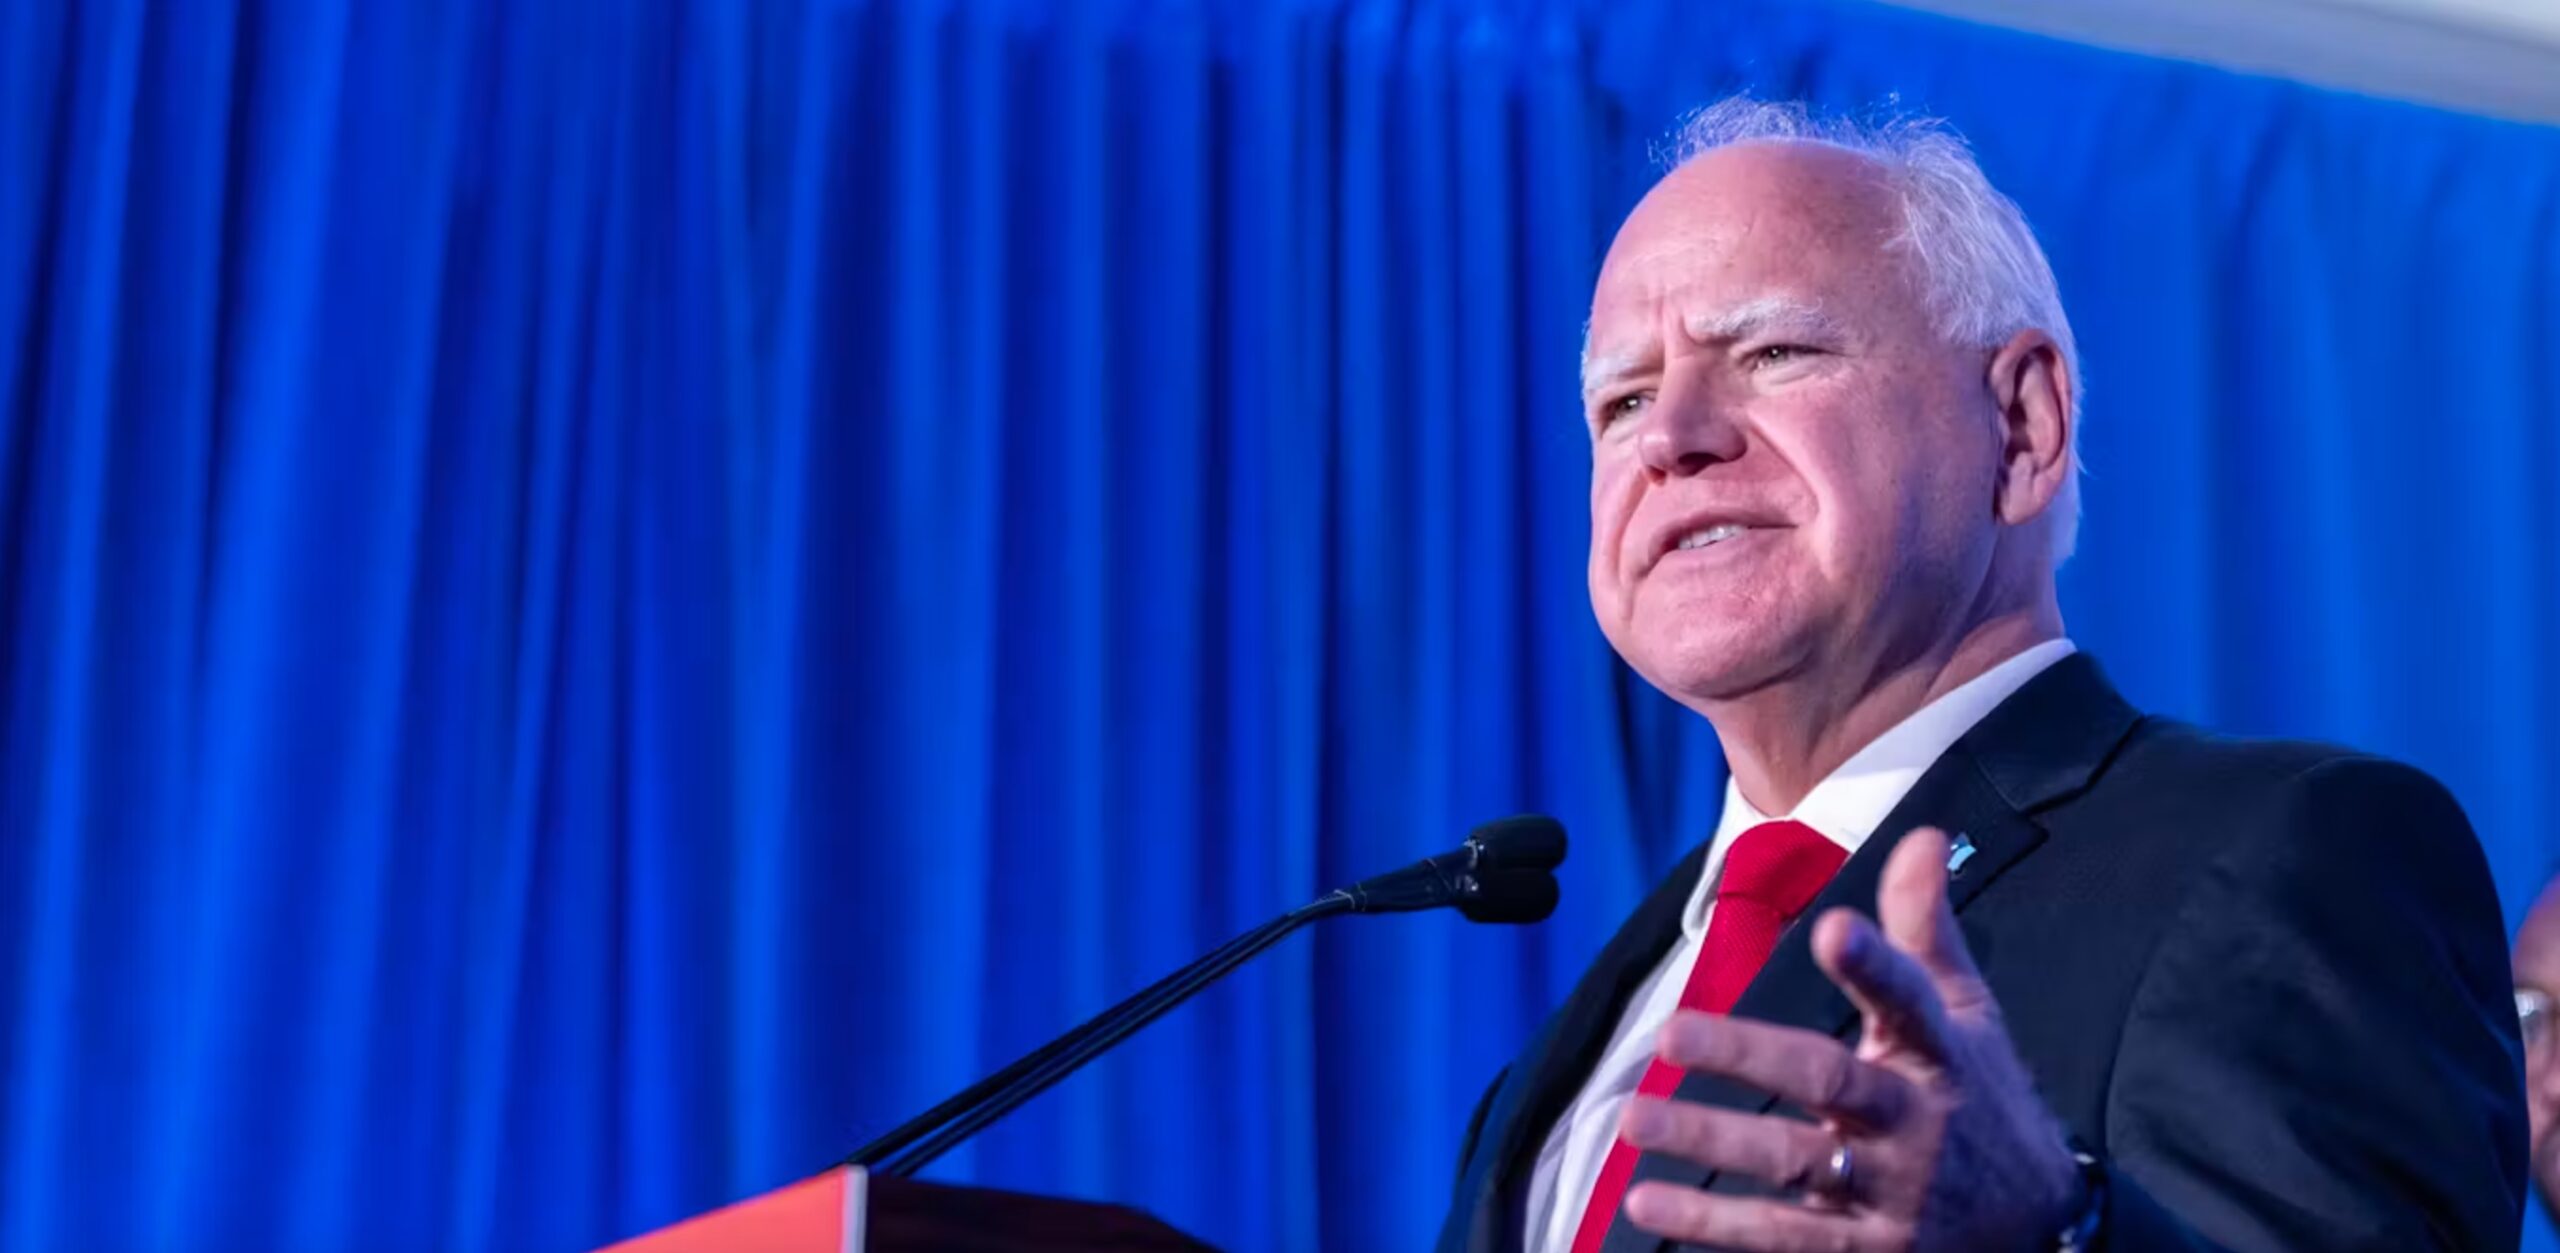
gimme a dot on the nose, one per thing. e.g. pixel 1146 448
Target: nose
pixel 1688 431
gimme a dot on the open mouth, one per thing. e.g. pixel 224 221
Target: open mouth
pixel 1708 535
pixel 1708 542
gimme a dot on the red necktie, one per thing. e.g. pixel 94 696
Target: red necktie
pixel 1770 874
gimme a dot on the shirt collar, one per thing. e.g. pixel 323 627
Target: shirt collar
pixel 1851 802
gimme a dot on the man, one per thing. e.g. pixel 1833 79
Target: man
pixel 2128 985
pixel 2537 967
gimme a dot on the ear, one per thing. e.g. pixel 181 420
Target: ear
pixel 2031 393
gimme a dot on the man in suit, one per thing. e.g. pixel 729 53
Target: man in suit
pixel 2126 984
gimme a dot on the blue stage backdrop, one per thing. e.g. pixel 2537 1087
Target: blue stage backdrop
pixel 599 599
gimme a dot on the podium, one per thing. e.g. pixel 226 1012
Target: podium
pixel 847 1210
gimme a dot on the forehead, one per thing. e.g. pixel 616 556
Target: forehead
pixel 1750 223
pixel 2537 956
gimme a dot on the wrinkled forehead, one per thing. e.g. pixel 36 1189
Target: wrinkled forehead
pixel 1753 222
pixel 1791 241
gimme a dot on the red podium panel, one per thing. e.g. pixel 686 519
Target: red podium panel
pixel 821 1215
pixel 847 1211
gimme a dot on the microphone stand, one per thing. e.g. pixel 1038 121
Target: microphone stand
pixel 1154 1000
pixel 1504 873
pixel 1039 1074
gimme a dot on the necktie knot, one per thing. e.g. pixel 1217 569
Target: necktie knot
pixel 1780 866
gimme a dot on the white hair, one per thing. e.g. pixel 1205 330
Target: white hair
pixel 1981 271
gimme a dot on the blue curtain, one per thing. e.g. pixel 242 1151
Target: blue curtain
pixel 598 600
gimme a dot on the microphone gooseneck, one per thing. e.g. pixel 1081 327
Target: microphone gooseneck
pixel 1500 874
pixel 1505 873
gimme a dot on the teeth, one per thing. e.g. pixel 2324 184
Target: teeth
pixel 1710 535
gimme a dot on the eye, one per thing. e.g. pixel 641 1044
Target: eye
pixel 1778 354
pixel 1617 407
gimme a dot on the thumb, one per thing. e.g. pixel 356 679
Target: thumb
pixel 1913 912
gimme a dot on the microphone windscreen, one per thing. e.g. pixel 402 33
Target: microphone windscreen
pixel 1524 841
pixel 1509 896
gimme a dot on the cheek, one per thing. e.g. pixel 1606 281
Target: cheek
pixel 1848 487
pixel 1887 486
pixel 1615 487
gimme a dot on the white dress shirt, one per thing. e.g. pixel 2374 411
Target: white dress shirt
pixel 1846 808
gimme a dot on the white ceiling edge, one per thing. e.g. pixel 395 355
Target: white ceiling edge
pixel 2494 57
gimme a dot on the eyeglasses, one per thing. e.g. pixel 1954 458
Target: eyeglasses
pixel 2533 1018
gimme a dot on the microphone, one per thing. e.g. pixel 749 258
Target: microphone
pixel 1505 872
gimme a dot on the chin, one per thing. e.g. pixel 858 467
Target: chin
pixel 1700 658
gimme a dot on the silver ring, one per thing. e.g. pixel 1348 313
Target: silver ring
pixel 1833 1183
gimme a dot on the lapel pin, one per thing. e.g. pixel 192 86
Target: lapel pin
pixel 1959 851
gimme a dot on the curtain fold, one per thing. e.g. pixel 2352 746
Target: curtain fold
pixel 599 601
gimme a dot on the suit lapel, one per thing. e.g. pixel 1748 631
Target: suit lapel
pixel 1560 1056
pixel 2043 743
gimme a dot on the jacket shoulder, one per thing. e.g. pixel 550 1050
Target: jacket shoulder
pixel 2177 807
pixel 2218 781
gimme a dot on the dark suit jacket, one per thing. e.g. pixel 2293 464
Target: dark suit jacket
pixel 2266 981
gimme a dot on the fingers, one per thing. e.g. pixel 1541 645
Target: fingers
pixel 1911 905
pixel 1814 1071
pixel 1750 1224
pixel 1896 996
pixel 1781 1152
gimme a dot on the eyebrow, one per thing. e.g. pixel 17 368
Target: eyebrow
pixel 1743 321
pixel 1600 372
pixel 1766 313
